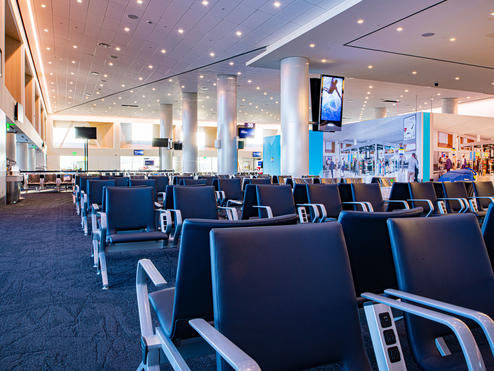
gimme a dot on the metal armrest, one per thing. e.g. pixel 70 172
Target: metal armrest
pixel 318 209
pixel 146 269
pixel 463 202
pixel 467 342
pixel 364 205
pixel 231 353
pixel 403 202
pixel 95 207
pixel 231 212
pixel 484 321
pixel 267 208
pixel 166 221
pixel 235 202
pixel 429 202
pixel 158 205
pixel 220 195
pixel 103 219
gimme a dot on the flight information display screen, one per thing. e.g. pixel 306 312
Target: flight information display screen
pixel 331 111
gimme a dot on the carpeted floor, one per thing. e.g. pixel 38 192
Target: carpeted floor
pixel 53 313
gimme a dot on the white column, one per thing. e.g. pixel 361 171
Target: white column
pixel 189 132
pixel 449 105
pixel 380 112
pixel 166 129
pixel 226 88
pixel 31 158
pixel 21 155
pixel 11 147
pixel 295 116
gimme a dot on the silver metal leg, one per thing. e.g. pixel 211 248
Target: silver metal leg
pixel 104 272
pixel 94 253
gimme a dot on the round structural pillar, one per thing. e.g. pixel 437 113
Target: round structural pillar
pixel 11 147
pixel 449 105
pixel 226 88
pixel 31 158
pixel 21 155
pixel 166 130
pixel 380 112
pixel 295 116
pixel 189 132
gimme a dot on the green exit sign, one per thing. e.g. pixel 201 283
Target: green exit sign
pixel 74 153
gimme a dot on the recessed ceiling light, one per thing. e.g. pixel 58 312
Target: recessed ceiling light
pixel 126 29
pixel 323 60
pixel 180 30
pixel 414 72
pixel 71 82
pixel 170 80
pixel 43 5
pixel 370 67
pixel 105 75
pixel 101 85
pixel 238 33
pixel 371 87
pixel 46 30
pixel 169 94
pixel 214 84
pixel 492 83
pixel 51 73
pixel 249 81
pixel 205 2
pixel 140 78
pixel 72 73
pixel 258 88
pixel 79 1
pixel 117 48
pixel 183 86
pixel 399 29
pixel 150 66
pixel 276 4
pixel 49 62
pixel 438 94
pixel 239 73
pixel 265 93
pixel 201 76
pixel 360 21
pixel 163 51
pixel 457 77
pixel 492 13
pixel 406 90
pixel 74 46
pixel 48 48
pixel 153 89
pixel 452 39
pixel 73 62
pixel 211 54
pixel 468 97
pixel 132 91
pixel 123 85
pixel 110 63
pixel 312 45
pixel 139 1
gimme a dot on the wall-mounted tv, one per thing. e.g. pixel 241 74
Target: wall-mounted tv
pixel 138 152
pixel 246 133
pixel 177 146
pixel 256 154
pixel 160 142
pixel 83 132
pixel 331 107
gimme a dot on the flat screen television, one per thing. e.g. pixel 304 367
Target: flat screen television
pixel 177 146
pixel 138 152
pixel 331 107
pixel 256 154
pixel 160 142
pixel 246 133
pixel 85 132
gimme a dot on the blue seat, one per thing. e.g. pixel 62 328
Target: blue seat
pixel 308 322
pixel 371 194
pixel 94 200
pixel 400 191
pixel 121 181
pixel 191 297
pixel 327 197
pixel 162 182
pixel 250 200
pixel 144 183
pixel 129 217
pixel 177 179
pixel 444 259
pixel 232 191
pixel 483 192
pixel 192 182
pixel 368 245
pixel 247 181
pixel 488 232
pixel 275 200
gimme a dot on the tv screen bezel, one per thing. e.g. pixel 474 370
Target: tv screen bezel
pixel 326 122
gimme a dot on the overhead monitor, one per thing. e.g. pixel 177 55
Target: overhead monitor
pixel 177 146
pixel 160 142
pixel 256 154
pixel 138 152
pixel 331 107
pixel 246 133
pixel 85 132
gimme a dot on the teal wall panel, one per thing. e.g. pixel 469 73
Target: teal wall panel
pixel 316 151
pixel 272 155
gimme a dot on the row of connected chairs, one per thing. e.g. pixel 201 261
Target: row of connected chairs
pixel 285 297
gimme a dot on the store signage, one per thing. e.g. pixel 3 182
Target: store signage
pixel 138 152
pixel 256 154
pixel 249 125
pixel 409 127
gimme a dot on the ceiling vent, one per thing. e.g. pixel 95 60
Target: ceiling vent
pixel 104 45
pixel 390 101
pixel 130 105
pixel 132 16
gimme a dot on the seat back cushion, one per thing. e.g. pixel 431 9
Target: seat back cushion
pixel 193 298
pixel 161 181
pixel 399 191
pixel 483 189
pixel 328 195
pixel 95 190
pixel 231 187
pixel 195 202
pixel 424 191
pixel 454 190
pixel 370 193
pixel 250 199
pixel 278 197
pixel 442 258
pixel 280 320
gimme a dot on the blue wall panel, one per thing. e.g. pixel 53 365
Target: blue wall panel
pixel 316 151
pixel 272 155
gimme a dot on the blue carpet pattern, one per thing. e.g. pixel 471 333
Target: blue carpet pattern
pixel 53 313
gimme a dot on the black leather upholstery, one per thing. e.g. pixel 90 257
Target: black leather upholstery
pixel 208 179
pixel 454 190
pixel 300 194
pixel 161 182
pixel 250 200
pixel 346 195
pixel 399 191
pixel 282 321
pixel 368 193
pixel 424 191
pixel 445 259
pixel 121 181
pixel 488 232
pixel 369 249
pixel 483 189
pixel 231 187
pixel 168 204
pixel 177 179
pixel 326 194
pixel 278 197
pixel 188 182
pixel 195 202
pixel 255 181
pixel 192 293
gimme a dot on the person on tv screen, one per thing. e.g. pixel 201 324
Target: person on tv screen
pixel 333 88
pixel 331 102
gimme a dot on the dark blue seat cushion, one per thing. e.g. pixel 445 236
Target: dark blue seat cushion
pixel 454 190
pixel 195 202
pixel 231 187
pixel 137 236
pixel 483 189
pixel 326 194
pixel 423 191
pixel 161 181
pixel 250 200
pixel 95 190
pixel 285 296
pixel 362 192
pixel 278 197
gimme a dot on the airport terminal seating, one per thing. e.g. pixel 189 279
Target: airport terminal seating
pixel 189 182
pixel 66 180
pixel 424 195
pixel 230 191
pixel 138 182
pixel 323 201
pixel 317 320
pixel 274 200
pixel 368 245
pixel 191 297
pixel 177 179
pixel 247 181
pixel 483 193
pixel 370 195
pixel 51 180
pixel 250 200
pixel 488 232
pixel 127 222
pixel 161 182
pixel 459 201
pixel 463 279
pixel 92 201
pixel 399 191
pixel 34 180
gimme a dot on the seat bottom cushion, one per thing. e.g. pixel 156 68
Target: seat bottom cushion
pixel 162 303
pixel 137 237
pixel 456 361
